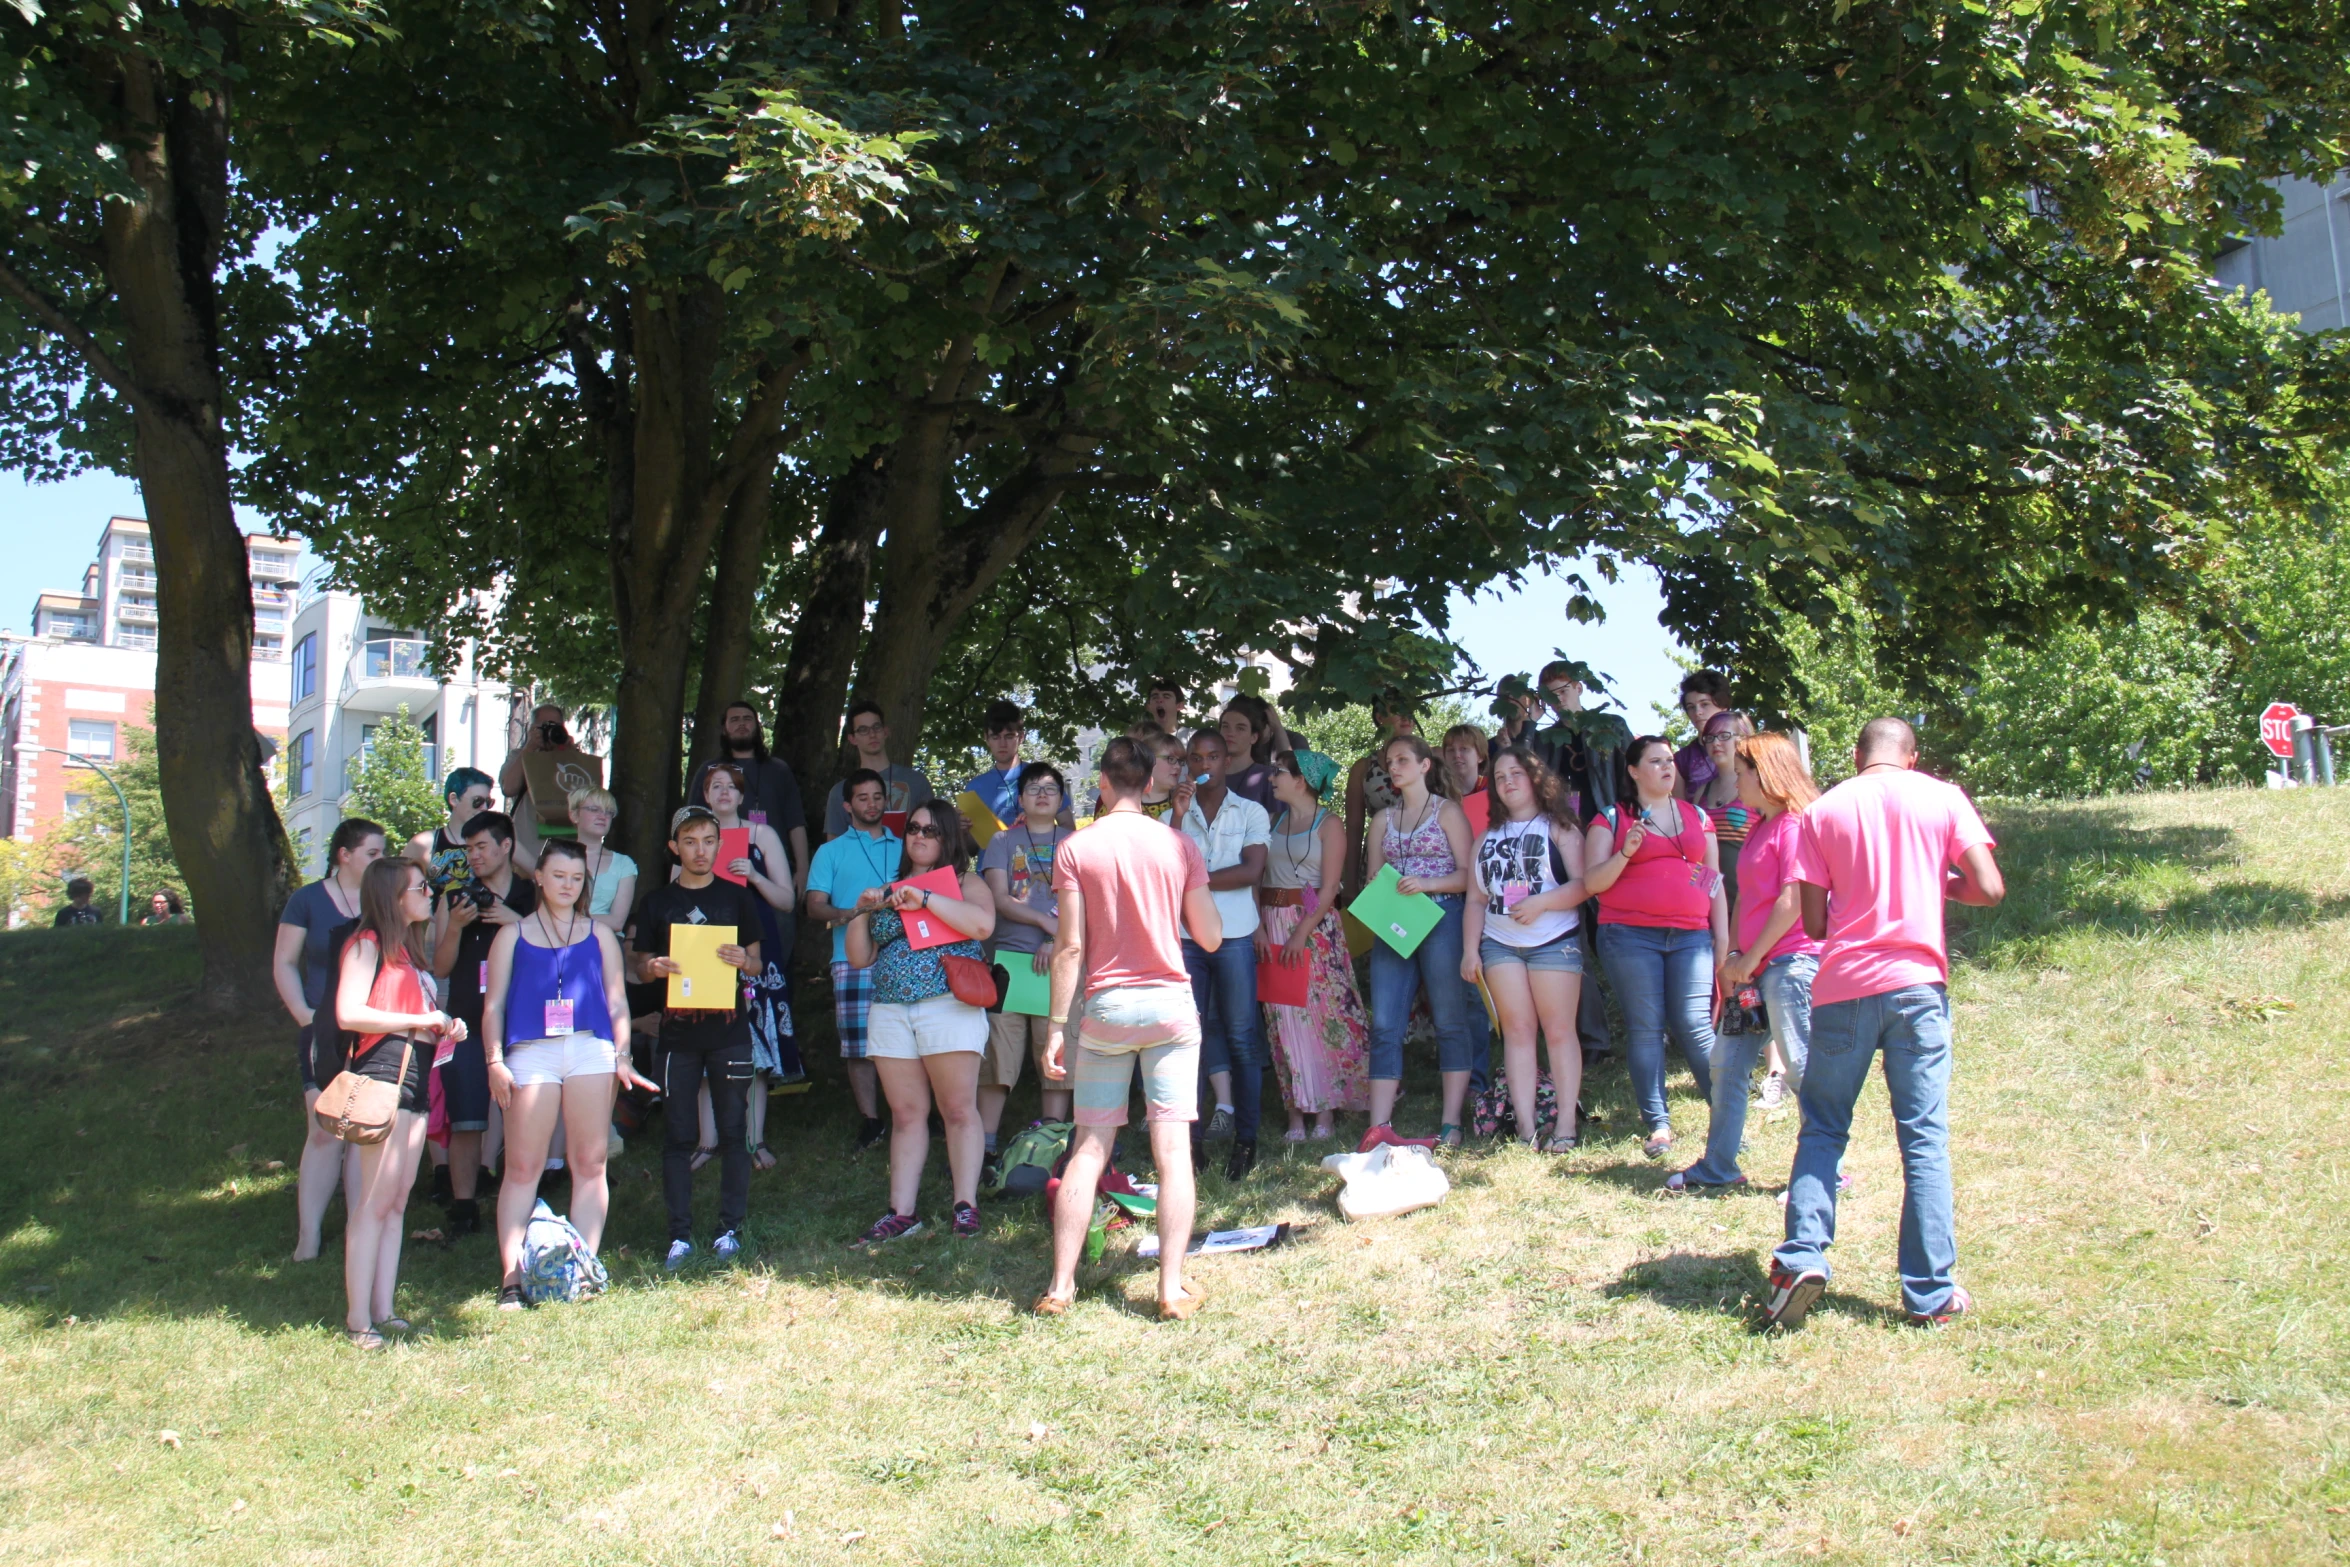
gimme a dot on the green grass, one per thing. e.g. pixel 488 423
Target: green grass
pixel 1553 1366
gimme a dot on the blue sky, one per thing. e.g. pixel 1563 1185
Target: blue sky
pixel 51 532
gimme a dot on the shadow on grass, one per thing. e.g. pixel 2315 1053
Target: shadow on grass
pixel 2072 868
pixel 1732 1284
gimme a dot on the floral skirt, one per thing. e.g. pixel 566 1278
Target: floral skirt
pixel 1320 1049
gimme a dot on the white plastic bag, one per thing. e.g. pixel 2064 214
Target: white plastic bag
pixel 1387 1181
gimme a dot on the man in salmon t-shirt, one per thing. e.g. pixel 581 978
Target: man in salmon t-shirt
pixel 1878 854
pixel 1127 889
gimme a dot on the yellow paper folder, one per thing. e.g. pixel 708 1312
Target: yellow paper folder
pixel 707 983
pixel 978 817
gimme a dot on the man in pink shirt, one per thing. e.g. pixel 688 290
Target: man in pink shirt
pixel 1128 889
pixel 1879 854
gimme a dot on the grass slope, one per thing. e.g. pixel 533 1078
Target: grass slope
pixel 1551 1367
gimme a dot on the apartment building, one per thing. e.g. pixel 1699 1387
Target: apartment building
pixel 87 673
pixel 2304 268
pixel 348 671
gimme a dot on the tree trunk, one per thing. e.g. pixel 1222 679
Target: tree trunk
pixel 824 645
pixel 161 254
pixel 734 608
pixel 658 550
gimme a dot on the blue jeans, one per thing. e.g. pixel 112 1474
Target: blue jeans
pixel 1911 1026
pixel 1785 983
pixel 1231 1030
pixel 1395 981
pixel 1591 1011
pixel 1480 1029
pixel 1664 980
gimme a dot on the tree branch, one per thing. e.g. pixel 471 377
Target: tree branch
pixel 52 315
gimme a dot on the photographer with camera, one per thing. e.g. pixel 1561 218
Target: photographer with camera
pixel 471 915
pixel 547 732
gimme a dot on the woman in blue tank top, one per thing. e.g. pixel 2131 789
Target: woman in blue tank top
pixel 555 1025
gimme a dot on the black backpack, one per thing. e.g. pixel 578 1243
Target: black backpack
pixel 325 1026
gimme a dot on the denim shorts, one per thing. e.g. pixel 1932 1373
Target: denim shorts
pixel 1563 956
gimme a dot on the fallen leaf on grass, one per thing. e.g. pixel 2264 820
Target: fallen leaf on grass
pixel 1902 1526
pixel 273 1166
pixel 852 1537
pixel 168 1438
pixel 1038 1430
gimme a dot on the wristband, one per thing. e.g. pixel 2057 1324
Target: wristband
pixel 1064 1022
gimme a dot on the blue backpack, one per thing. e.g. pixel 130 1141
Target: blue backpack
pixel 556 1262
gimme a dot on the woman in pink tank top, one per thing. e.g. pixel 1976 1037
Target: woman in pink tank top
pixel 1664 926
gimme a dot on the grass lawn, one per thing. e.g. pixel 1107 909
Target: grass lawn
pixel 1553 1366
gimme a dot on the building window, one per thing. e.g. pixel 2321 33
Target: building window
pixel 306 668
pixel 299 757
pixel 90 737
pixel 75 804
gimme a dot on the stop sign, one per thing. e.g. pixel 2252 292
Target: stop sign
pixel 2276 727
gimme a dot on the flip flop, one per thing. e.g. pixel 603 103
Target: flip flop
pixel 1051 1306
pixel 1183 1310
pixel 701 1157
pixel 1296 1134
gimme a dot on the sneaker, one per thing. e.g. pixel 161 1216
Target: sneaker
pixel 442 1192
pixel 1792 1296
pixel 464 1217
pixel 1240 1161
pixel 873 1131
pixel 966 1222
pixel 1959 1304
pixel 680 1253
pixel 727 1247
pixel 1220 1126
pixel 889 1227
pixel 510 1298
pixel 1774 1090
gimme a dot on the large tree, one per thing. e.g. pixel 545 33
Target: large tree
pixel 117 220
pixel 1187 329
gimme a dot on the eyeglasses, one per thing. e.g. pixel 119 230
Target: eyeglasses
pixel 924 830
pixel 867 729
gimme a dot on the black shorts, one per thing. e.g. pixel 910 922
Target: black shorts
pixel 316 1073
pixel 378 1065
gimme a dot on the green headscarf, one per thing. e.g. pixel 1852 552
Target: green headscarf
pixel 1316 769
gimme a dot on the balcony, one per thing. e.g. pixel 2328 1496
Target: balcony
pixel 136 581
pixel 388 672
pixel 135 614
pixel 273 568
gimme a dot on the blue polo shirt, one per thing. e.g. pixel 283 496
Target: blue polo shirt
pixel 845 866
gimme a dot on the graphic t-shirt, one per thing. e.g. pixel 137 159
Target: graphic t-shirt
pixel 720 903
pixel 78 914
pixel 845 866
pixel 1882 844
pixel 445 866
pixel 1517 861
pixel 1766 863
pixel 1132 874
pixel 1027 863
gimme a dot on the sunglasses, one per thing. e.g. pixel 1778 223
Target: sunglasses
pixel 923 830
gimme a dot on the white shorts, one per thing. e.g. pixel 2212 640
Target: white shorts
pixel 907 1031
pixel 556 1060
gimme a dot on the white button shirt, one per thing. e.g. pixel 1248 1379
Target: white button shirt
pixel 1239 823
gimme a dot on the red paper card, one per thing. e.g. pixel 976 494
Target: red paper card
pixel 895 821
pixel 923 928
pixel 1478 807
pixel 1281 984
pixel 734 843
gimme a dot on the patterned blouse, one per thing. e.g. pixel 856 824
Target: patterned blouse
pixel 903 976
pixel 1425 851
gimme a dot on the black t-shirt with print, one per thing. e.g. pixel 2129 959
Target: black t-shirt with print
pixel 720 903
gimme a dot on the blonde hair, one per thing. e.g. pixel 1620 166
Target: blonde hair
pixel 1779 771
pixel 601 799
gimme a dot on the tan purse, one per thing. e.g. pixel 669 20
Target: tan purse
pixel 360 1109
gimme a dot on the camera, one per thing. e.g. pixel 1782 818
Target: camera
pixel 554 736
pixel 482 896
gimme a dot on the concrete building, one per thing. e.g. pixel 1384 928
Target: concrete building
pixel 87 672
pixel 348 672
pixel 2304 269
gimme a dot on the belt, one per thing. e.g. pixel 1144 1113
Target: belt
pixel 1281 897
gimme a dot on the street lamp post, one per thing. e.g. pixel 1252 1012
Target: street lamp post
pixel 72 760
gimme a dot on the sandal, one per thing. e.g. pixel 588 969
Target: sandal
pixel 1183 1310
pixel 1296 1134
pixel 1448 1135
pixel 1562 1142
pixel 701 1157
pixel 364 1338
pixel 1051 1306
pixel 1659 1144
pixel 762 1157
pixel 397 1325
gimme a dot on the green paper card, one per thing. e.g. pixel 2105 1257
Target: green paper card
pixel 1402 921
pixel 1029 993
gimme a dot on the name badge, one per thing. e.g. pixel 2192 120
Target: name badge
pixel 1310 899
pixel 483 984
pixel 1514 893
pixel 558 1018
pixel 756 818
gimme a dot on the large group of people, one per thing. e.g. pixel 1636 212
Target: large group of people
pixel 514 985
